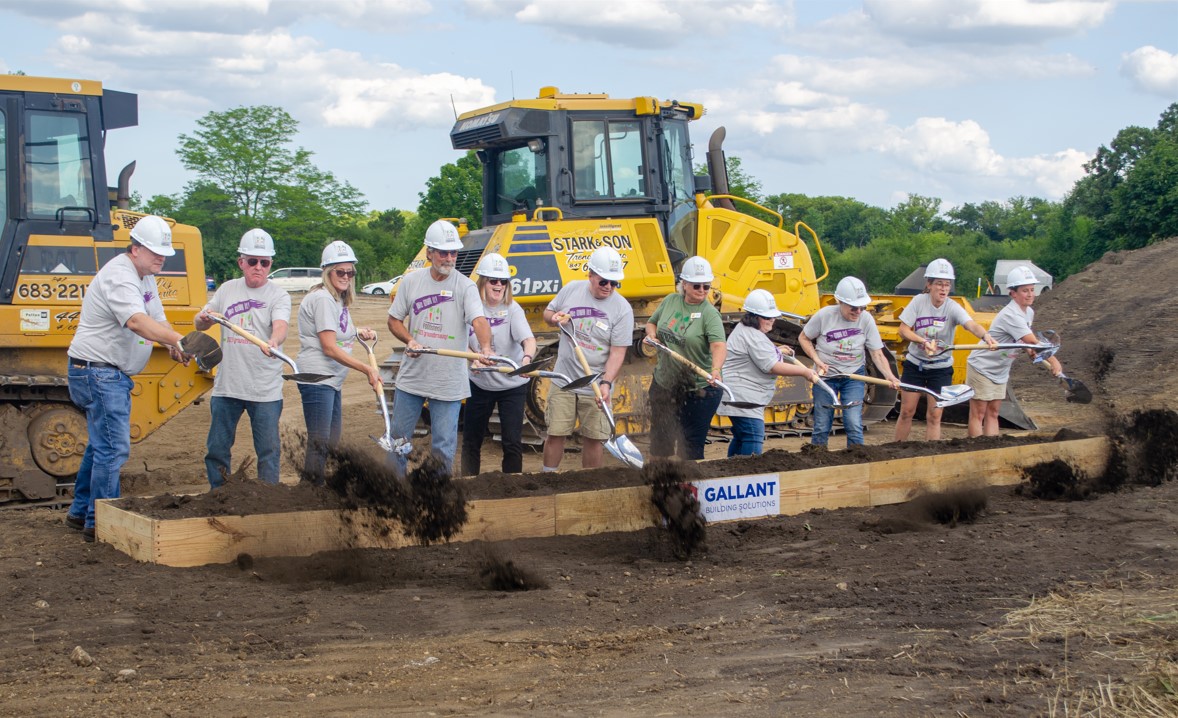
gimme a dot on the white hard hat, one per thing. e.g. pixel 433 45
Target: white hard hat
pixel 256 243
pixel 696 269
pixel 338 252
pixel 493 266
pixel 761 303
pixel 1020 276
pixel 606 263
pixel 442 235
pixel 939 269
pixel 155 234
pixel 851 290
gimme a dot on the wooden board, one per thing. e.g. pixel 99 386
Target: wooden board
pixel 220 539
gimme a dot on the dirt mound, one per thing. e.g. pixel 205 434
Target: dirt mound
pixel 499 574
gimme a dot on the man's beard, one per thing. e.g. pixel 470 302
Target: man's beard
pixel 444 270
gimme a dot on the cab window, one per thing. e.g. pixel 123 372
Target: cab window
pixel 57 166
pixel 607 160
pixel 521 178
pixel 3 168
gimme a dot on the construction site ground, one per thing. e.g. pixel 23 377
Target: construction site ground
pixel 1031 607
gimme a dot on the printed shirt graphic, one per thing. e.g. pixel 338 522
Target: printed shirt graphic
pixel 509 328
pixel 1011 324
pixel 689 329
pixel 322 312
pixel 437 315
pixel 245 372
pixel 751 355
pixel 931 322
pixel 599 324
pixel 841 343
pixel 116 294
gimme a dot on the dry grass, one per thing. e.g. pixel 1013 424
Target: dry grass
pixel 1126 630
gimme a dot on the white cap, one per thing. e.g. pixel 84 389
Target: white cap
pixel 606 263
pixel 761 303
pixel 1020 276
pixel 338 252
pixel 443 235
pixel 696 269
pixel 155 234
pixel 851 290
pixel 493 266
pixel 939 269
pixel 256 243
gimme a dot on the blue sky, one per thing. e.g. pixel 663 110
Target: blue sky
pixel 966 100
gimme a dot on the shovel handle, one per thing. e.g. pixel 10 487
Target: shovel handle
pixel 868 379
pixel 679 358
pixel 220 319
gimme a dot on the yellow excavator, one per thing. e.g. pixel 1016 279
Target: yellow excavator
pixel 60 223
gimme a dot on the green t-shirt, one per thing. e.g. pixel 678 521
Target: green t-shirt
pixel 689 329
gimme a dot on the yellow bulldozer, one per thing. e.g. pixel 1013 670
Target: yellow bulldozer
pixel 60 224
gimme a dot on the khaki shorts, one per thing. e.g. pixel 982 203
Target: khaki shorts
pixel 984 389
pixel 566 407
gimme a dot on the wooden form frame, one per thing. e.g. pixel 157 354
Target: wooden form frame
pixel 220 539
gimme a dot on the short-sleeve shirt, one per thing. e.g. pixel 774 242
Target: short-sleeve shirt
pixel 599 323
pixel 116 294
pixel 689 329
pixel 939 323
pixel 751 356
pixel 245 372
pixel 509 328
pixel 841 343
pixel 436 314
pixel 1011 324
pixel 321 312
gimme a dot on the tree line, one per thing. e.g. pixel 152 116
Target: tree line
pixel 249 173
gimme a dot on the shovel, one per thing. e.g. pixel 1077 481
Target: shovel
pixel 565 382
pixel 473 356
pixel 825 387
pixel 731 401
pixel 386 442
pixel 304 377
pixel 1042 348
pixel 202 347
pixel 1077 392
pixel 948 396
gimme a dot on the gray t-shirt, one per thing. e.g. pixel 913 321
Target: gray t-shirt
pixel 436 315
pixel 509 328
pixel 751 355
pixel 1011 324
pixel 841 343
pixel 245 372
pixel 116 294
pixel 599 323
pixel 939 323
pixel 321 312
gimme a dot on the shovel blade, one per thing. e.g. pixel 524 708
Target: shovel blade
pixel 530 367
pixel 1077 392
pixel 306 377
pixel 742 404
pixel 954 394
pixel 581 382
pixel 624 451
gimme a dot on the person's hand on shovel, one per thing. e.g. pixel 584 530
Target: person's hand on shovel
pixel 929 346
pixel 373 373
pixel 413 348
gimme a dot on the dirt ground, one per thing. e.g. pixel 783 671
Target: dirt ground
pixel 1020 606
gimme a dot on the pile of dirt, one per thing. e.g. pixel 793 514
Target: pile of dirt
pixel 672 495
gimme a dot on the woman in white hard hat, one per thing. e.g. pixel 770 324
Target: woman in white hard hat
pixel 989 371
pixel 929 322
pixel 751 368
pixel 682 403
pixel 326 335
pixel 838 338
pixel 511 336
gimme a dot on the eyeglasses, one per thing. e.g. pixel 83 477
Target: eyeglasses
pixel 704 287
pixel 853 309
pixel 344 273
pixel 609 283
pixel 446 252
pixel 254 261
pixel 493 280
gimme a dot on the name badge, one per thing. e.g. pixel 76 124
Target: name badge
pixel 501 313
pixel 696 315
pixel 601 325
pixel 446 293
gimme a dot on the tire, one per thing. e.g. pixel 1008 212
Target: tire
pixel 378 292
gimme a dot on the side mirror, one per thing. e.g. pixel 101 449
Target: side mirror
pixel 703 183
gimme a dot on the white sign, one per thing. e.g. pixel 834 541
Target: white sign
pixel 34 320
pixel 738 497
pixel 783 260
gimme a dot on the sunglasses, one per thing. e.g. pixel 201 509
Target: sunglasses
pixel 704 287
pixel 344 273
pixel 254 261
pixel 609 283
pixel 853 309
pixel 497 281
pixel 446 252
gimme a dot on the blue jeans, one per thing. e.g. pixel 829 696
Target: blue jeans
pixel 681 417
pixel 105 395
pixel 226 413
pixel 848 390
pixel 443 427
pixel 323 413
pixel 511 427
pixel 748 436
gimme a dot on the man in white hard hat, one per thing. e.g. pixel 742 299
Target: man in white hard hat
pixel 989 371
pixel 603 322
pixel 121 318
pixel 249 379
pixel 838 339
pixel 432 310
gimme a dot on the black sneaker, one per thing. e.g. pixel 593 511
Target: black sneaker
pixel 74 522
pixel 88 535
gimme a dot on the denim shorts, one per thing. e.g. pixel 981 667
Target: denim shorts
pixel 934 379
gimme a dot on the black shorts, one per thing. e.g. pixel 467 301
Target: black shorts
pixel 933 379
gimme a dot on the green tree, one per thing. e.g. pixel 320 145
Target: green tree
pixel 457 191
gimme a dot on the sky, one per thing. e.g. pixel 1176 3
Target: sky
pixel 965 100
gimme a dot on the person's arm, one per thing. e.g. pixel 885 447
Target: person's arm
pixel 529 346
pixel 907 332
pixel 810 349
pixel 278 330
pixel 333 351
pixel 153 331
pixel 782 368
pixel 482 332
pixel 719 354
pixel 980 332
pixel 397 327
pixel 1051 361
pixel 885 367
pixel 651 330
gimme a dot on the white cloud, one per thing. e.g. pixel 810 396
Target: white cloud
pixel 1152 70
pixel 986 21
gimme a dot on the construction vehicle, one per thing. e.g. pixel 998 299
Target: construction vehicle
pixel 61 223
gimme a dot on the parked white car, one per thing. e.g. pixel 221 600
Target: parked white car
pixel 385 287
pixel 297 279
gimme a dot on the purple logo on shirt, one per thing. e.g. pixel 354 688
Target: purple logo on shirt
pixel 840 334
pixel 344 321
pixel 428 301
pixel 148 296
pixel 243 307
pixel 582 312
